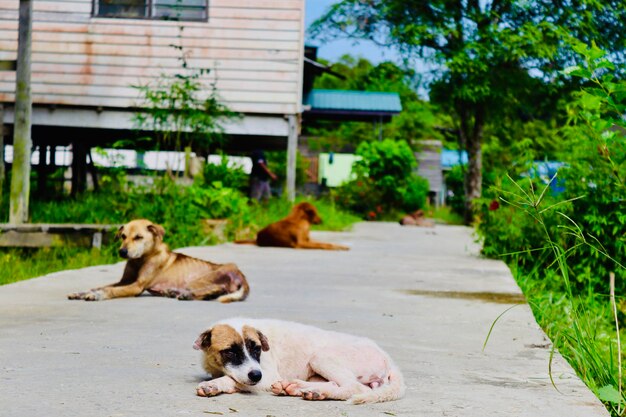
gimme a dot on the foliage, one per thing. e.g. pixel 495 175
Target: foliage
pixel 414 194
pixel 493 58
pixel 229 176
pixel 569 243
pixel 444 214
pixel 219 202
pixel 384 180
pixel 20 264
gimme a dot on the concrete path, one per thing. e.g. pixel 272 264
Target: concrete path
pixel 417 292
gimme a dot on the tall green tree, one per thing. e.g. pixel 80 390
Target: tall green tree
pixel 487 52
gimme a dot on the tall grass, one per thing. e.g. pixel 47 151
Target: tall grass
pixel 583 326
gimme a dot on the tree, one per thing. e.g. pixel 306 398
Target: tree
pixel 486 51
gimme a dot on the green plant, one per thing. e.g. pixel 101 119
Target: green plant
pixel 385 181
pixel 229 176
pixel 582 339
pixel 415 193
pixel 566 248
pixel 218 202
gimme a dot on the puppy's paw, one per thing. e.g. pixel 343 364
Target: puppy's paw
pixel 291 388
pixel 278 388
pixel 96 295
pixel 313 394
pixel 207 389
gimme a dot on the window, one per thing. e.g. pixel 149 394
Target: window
pixel 152 9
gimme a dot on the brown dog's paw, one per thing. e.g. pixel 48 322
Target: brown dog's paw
pixel 207 389
pixel 93 296
pixel 76 295
pixel 185 296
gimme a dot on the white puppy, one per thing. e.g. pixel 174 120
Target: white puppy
pixel 294 359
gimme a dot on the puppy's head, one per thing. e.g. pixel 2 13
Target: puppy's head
pixel 139 237
pixel 309 212
pixel 235 352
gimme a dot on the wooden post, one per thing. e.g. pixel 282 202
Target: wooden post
pixel 2 174
pixel 22 143
pixel 292 147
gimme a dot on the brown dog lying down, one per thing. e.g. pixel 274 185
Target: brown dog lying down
pixel 417 218
pixel 293 231
pixel 153 267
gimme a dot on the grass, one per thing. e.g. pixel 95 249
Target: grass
pixel 583 325
pixel 444 214
pixel 21 264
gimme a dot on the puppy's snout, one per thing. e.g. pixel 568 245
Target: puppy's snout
pixel 255 375
pixel 123 253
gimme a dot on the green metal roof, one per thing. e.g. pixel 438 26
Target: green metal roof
pixel 353 101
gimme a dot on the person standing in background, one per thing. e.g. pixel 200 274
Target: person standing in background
pixel 260 177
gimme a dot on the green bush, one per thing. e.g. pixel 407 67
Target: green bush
pixel 384 182
pixel 415 194
pixel 219 202
pixel 229 177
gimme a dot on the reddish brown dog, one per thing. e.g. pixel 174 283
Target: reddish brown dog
pixel 154 268
pixel 293 231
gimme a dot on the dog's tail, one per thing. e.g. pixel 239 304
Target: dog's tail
pixel 239 295
pixel 390 391
pixel 246 242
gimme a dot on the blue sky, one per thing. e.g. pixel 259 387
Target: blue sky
pixel 333 50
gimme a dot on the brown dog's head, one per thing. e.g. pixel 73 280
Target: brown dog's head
pixel 139 237
pixel 308 212
pixel 235 350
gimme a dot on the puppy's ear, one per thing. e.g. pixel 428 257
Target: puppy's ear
pixel 265 346
pixel 203 341
pixel 157 230
pixel 118 234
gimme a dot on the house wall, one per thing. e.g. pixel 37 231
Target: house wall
pixel 253 47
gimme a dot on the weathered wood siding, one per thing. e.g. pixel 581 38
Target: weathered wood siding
pixel 254 48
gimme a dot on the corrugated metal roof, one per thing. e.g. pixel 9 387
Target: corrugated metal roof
pixel 347 100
